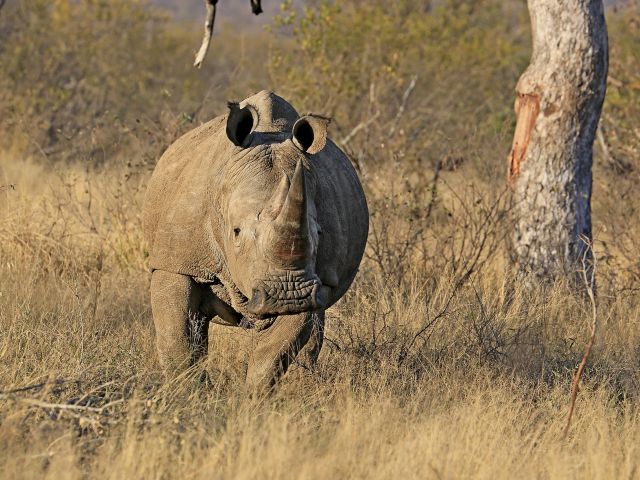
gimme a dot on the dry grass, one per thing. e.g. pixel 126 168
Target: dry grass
pixel 422 376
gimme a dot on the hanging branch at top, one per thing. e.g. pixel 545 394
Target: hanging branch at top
pixel 208 32
pixel 256 8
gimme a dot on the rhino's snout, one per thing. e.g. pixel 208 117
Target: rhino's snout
pixel 287 293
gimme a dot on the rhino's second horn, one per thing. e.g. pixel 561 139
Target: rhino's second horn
pixel 278 198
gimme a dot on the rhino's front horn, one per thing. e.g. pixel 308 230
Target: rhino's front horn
pixel 292 244
pixel 294 208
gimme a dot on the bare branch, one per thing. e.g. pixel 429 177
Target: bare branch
pixel 38 386
pixel 403 104
pixel 359 127
pixel 208 32
pixel 60 406
pixel 588 276
pixel 603 145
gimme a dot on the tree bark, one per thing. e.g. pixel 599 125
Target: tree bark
pixel 558 104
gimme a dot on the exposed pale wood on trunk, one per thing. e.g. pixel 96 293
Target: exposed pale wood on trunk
pixel 527 109
pixel 559 100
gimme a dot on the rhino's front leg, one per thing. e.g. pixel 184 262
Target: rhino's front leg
pixel 275 348
pixel 181 332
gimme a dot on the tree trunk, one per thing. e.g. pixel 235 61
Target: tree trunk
pixel 558 104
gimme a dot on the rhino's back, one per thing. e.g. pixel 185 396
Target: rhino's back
pixel 343 216
pixel 177 209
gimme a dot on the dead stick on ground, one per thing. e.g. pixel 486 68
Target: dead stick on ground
pixel 208 32
pixel 588 276
pixel 60 406
pixel 36 386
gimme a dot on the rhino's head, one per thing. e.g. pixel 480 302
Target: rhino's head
pixel 271 229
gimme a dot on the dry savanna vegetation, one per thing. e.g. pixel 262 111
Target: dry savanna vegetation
pixel 436 364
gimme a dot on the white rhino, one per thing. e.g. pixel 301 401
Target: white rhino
pixel 257 220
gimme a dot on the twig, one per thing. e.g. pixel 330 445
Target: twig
pixel 442 313
pixel 60 406
pixel 603 146
pixel 434 189
pixel 208 32
pixel 588 276
pixel 359 127
pixel 36 386
pixel 403 104
pixel 615 82
pixel 334 343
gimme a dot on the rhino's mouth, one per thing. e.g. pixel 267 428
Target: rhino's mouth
pixel 286 293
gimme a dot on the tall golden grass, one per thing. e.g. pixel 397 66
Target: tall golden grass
pixel 431 368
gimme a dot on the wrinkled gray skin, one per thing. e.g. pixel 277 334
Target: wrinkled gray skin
pixel 256 220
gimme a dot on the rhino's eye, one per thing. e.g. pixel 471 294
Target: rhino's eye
pixel 236 232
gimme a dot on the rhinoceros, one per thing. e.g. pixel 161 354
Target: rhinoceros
pixel 256 220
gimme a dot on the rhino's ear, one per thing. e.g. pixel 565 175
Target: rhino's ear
pixel 240 123
pixel 310 133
